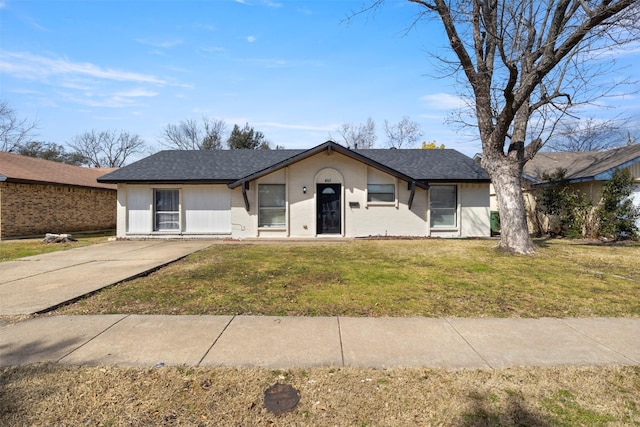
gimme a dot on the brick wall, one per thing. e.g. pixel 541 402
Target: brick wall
pixel 36 209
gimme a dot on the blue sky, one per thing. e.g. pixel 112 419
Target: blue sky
pixel 295 70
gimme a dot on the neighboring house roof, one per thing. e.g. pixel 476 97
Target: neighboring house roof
pixel 31 170
pixel 582 166
pixel 236 166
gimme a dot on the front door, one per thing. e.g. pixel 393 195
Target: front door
pixel 328 208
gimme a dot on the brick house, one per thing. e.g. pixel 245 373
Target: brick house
pixel 40 196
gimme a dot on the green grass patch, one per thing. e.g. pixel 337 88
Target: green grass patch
pixel 20 248
pixel 434 278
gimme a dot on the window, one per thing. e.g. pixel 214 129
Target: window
pixel 271 205
pixel 166 210
pixel 381 193
pixel 444 205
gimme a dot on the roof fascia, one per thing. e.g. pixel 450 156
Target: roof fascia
pixel 59 184
pixel 330 147
pixel 164 181
pixel 606 175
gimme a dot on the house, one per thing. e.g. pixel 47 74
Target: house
pixel 40 196
pixel 325 191
pixel 584 171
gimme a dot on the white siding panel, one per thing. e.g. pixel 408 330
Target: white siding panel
pixel 207 209
pixel 474 210
pixel 139 201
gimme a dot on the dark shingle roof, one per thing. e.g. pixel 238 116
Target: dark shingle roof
pixel 233 165
pixel 198 165
pixel 430 165
pixel 582 166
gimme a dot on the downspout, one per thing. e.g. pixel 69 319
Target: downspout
pixel 245 187
pixel 412 187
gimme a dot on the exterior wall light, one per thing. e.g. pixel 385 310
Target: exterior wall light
pixel 304 189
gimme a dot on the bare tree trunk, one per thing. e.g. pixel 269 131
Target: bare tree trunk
pixel 514 231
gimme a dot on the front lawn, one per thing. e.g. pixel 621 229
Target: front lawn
pixel 434 278
pixel 20 248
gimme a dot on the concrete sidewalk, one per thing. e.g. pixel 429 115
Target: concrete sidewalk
pixel 283 342
pixel 37 283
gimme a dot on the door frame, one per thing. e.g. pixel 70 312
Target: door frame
pixel 338 189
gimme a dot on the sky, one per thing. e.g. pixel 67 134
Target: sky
pixel 294 70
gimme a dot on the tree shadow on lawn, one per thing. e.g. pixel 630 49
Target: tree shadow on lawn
pixel 515 414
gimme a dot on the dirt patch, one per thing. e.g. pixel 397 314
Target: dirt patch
pixel 44 395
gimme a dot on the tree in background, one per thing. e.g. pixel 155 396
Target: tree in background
pixel 588 135
pixel 525 63
pixel 432 146
pixel 191 135
pixel 404 134
pixel 51 151
pixel 362 135
pixel 107 149
pixel 14 132
pixel 247 138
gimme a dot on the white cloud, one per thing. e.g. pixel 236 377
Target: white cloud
pixel 296 126
pixel 26 65
pixel 133 93
pixel 443 101
pixel 251 39
pixel 164 44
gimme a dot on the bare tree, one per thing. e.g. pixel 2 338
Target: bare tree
pixel 588 135
pixel 405 134
pixel 14 132
pixel 50 151
pixel 362 135
pixel 190 135
pixel 524 64
pixel 107 149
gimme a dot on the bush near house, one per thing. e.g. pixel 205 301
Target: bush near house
pixel 570 212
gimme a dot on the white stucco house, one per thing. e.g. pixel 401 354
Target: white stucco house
pixel 325 191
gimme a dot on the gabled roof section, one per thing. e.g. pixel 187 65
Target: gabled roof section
pixel 434 165
pixel 582 166
pixel 330 146
pixel 31 170
pixel 177 166
pixel 233 167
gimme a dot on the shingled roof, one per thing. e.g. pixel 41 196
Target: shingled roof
pixel 582 166
pixel 31 170
pixel 233 166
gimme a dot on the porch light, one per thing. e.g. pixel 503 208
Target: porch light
pixel 304 189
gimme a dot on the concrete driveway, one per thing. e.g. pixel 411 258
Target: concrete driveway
pixel 38 283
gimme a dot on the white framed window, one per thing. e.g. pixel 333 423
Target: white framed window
pixel 381 193
pixel 166 209
pixel 272 205
pixel 444 205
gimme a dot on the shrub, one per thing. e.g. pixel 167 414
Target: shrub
pixel 616 213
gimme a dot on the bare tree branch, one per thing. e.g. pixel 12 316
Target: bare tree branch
pixel 14 132
pixel 107 149
pixel 190 135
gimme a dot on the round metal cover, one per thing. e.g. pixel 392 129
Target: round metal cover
pixel 281 398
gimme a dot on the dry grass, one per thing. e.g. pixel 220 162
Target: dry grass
pixel 19 248
pixel 397 278
pixel 47 395
pixel 434 278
